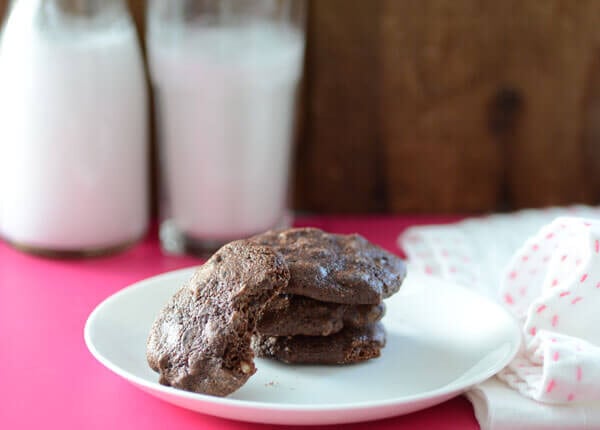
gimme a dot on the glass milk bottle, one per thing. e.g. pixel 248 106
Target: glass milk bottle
pixel 73 128
pixel 225 75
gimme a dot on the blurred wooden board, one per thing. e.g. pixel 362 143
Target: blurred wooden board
pixel 481 105
pixel 448 105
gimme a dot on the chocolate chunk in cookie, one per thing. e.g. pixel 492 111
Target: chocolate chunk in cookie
pixel 336 268
pixel 351 345
pixel 201 339
pixel 289 315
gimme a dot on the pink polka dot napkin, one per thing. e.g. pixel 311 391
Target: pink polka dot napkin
pixel 544 267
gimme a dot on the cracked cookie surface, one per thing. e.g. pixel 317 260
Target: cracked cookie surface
pixel 335 268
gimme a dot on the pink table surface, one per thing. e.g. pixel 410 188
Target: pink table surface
pixel 48 379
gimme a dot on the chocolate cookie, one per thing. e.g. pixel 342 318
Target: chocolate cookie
pixel 351 345
pixel 201 339
pixel 336 268
pixel 289 315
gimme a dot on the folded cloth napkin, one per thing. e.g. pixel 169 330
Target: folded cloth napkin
pixel 498 407
pixel 551 284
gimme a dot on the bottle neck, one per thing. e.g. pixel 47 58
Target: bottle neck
pixel 83 8
pixel 51 16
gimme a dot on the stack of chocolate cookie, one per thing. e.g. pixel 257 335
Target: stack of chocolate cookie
pixel 298 296
pixel 329 312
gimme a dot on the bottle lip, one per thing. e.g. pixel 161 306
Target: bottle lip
pixel 216 13
pixel 47 20
pixel 84 16
pixel 86 7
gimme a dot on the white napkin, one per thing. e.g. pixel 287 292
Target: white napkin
pixel 553 296
pixel 498 407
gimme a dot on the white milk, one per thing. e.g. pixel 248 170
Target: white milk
pixel 73 135
pixel 226 100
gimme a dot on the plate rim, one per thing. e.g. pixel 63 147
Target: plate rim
pixel 445 391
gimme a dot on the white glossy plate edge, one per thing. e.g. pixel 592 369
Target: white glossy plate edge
pixel 294 414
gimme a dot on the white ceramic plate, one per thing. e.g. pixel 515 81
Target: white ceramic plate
pixel 441 339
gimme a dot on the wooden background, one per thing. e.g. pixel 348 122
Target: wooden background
pixel 448 105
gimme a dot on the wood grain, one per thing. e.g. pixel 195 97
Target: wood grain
pixel 438 80
pixel 339 167
pixel 488 105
